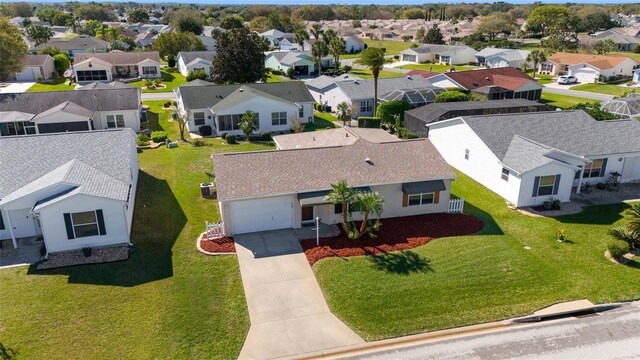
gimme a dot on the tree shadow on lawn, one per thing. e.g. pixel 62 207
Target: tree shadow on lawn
pixel 153 122
pixel 402 263
pixel 167 77
pixel 7 353
pixel 597 215
pixel 157 222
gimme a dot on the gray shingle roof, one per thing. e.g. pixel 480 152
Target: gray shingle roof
pixel 302 170
pixel 95 100
pixel 35 60
pixel 290 57
pixel 363 89
pixel 323 81
pixel 524 155
pixel 206 96
pixel 67 107
pixel 77 43
pixel 432 48
pixel 120 58
pixel 574 132
pixel 98 162
pixel 108 86
pixel 332 137
pixel 189 56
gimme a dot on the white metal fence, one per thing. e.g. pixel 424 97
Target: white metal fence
pixel 214 230
pixel 456 205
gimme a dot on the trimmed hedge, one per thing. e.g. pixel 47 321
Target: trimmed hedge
pixel 617 249
pixel 369 122
pixel 231 139
pixel 158 136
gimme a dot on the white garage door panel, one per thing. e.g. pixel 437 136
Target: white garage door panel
pixel 631 168
pixel 261 215
pixel 406 57
pixel 585 75
pixel 29 74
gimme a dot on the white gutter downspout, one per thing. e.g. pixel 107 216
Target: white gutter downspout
pixel 124 207
pixel 13 235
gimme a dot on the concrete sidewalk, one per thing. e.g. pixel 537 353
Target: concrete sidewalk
pixel 555 88
pixel 289 315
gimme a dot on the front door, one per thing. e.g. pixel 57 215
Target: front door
pixel 307 214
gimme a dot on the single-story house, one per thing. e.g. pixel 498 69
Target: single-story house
pixel 494 84
pixel 440 54
pixel 332 91
pixel 106 67
pixel 588 68
pixel 529 158
pixel 36 67
pixel 353 44
pixel 77 45
pixel 88 108
pixel 222 106
pixel 417 119
pixel 272 35
pixel 342 136
pixel 81 194
pixel 498 58
pixel 301 61
pixel 188 61
pixel 623 41
pixel 287 188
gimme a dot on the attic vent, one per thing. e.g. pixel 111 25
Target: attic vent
pixel 368 161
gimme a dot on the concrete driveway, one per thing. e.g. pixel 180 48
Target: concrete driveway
pixel 288 313
pixel 16 87
pixel 555 88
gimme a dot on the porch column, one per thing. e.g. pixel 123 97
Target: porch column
pixel 580 180
pixel 13 236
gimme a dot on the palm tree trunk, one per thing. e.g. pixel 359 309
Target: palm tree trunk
pixel 363 226
pixel 344 214
pixel 375 91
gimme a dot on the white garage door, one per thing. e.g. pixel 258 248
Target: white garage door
pixel 585 75
pixel 261 215
pixel 29 74
pixel 406 57
pixel 631 168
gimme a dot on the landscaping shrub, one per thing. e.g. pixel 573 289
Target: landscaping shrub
pixel 143 140
pixel 167 104
pixel 198 143
pixel 368 122
pixel 617 249
pixel 397 57
pixel 148 83
pixel 231 139
pixel 405 133
pixel 451 96
pixel 601 186
pixel 197 74
pixel 223 136
pixel 291 73
pixel 276 72
pixel 205 130
pixel 158 136
pixel 171 62
pixel 265 136
pixel 347 68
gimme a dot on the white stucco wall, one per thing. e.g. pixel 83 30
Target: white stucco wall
pixel 566 173
pixel 131 119
pixel 263 107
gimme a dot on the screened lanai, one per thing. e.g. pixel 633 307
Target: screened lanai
pixel 415 97
pixel 628 106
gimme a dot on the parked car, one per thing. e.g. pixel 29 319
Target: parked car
pixel 567 79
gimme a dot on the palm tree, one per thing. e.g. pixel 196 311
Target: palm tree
pixel 318 51
pixel 631 232
pixel 536 57
pixel 248 123
pixel 344 112
pixel 369 203
pixel 300 37
pixel 341 194
pixel 373 58
pixel 336 47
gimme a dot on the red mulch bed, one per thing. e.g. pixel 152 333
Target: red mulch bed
pixel 221 245
pixel 395 234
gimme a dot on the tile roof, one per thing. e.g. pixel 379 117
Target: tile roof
pixel 599 61
pixel 332 137
pixel 208 95
pixel 506 77
pixel 301 170
pixel 99 162
pixel 119 58
pixel 95 100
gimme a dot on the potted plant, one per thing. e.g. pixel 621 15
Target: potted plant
pixel 86 251
pixel 547 205
pixel 555 204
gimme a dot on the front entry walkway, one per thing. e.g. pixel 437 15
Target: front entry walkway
pixel 288 313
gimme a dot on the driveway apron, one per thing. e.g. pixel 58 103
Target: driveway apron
pixel 289 315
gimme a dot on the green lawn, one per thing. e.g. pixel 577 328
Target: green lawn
pixel 57 85
pixel 277 78
pixel 171 78
pixel 166 301
pixel 366 73
pixel 392 47
pixel 603 89
pixel 321 121
pixel 437 67
pixel 563 101
pixel 633 56
pixel 481 278
pixel 543 79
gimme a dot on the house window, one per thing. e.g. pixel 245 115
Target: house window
pixel 505 174
pixel 92 75
pixel 366 106
pixel 1 222
pixel 546 67
pixel 115 121
pixel 85 224
pixel 420 199
pixel 337 208
pixel 279 118
pixel 546 185
pixel 198 118
pixel 17 128
pixel 594 169
pixel 466 154
pixel 149 70
pixel 301 112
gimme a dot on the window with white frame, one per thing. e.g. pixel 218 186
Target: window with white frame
pixel 301 112
pixel 420 199
pixel 85 224
pixel 198 118
pixel 505 174
pixel 546 67
pixel 466 154
pixel 366 106
pixel 279 118
pixel 546 185
pixel 594 169
pixel 115 121
pixel 149 70
pixel 229 122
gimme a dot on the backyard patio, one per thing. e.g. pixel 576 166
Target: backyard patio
pixel 28 251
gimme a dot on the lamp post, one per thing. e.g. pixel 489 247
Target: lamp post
pixel 317 231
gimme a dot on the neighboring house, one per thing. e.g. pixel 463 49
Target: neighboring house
pixel 533 157
pixel 301 61
pixel 88 108
pixel 272 35
pixel 494 84
pixel 81 194
pixel 588 68
pixel 343 136
pixel 222 106
pixel 145 40
pixel 286 43
pixel 499 58
pixel 623 41
pixel 440 54
pixel 188 61
pixel 106 67
pixel 287 188
pixel 353 44
pixel 417 119
pixel 77 45
pixel 332 91
pixel 36 67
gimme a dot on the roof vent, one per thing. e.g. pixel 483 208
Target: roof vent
pixel 486 78
pixel 368 161
pixel 356 82
pixel 241 90
pixel 314 138
pixel 409 77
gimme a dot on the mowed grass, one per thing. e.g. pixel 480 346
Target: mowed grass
pixel 390 46
pixel 321 121
pixel 543 79
pixel 563 101
pixel 166 302
pixel 56 85
pixel 604 89
pixel 171 79
pixel 481 278
pixel 437 67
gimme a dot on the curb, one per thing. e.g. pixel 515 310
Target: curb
pixel 203 251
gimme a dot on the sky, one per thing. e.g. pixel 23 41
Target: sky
pixel 347 2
